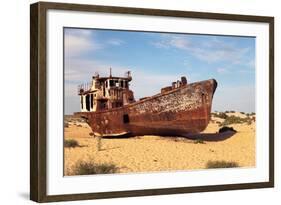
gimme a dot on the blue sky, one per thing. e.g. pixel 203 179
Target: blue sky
pixel 157 59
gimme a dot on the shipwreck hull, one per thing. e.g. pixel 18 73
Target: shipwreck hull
pixel 181 111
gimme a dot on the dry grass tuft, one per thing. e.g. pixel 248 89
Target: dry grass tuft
pixel 199 141
pixel 221 164
pixel 88 168
pixel 71 143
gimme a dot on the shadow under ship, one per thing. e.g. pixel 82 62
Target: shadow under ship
pixel 110 109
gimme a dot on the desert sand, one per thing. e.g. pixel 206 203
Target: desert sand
pixel 158 153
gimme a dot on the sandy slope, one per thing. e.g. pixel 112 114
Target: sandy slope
pixel 155 153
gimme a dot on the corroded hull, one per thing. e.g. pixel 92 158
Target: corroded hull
pixel 181 111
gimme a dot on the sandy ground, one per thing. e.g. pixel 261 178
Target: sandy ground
pixel 156 153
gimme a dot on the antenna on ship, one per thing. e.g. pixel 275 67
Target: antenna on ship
pixel 128 74
pixel 110 72
pixel 97 74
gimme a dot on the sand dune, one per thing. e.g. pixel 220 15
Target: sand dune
pixel 156 153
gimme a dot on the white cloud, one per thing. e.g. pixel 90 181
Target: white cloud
pixel 169 41
pixel 211 50
pixel 180 43
pixel 77 43
pixel 233 55
pixel 78 70
pixel 115 42
pixel 221 70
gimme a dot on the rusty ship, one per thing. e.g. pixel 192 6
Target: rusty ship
pixel 110 109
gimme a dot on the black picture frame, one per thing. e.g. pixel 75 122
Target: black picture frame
pixel 38 103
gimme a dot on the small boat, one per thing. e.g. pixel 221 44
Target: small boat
pixel 110 109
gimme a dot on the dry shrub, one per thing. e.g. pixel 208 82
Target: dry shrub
pixel 199 141
pixel 221 164
pixel 90 167
pixel 220 115
pixel 71 143
pixel 236 120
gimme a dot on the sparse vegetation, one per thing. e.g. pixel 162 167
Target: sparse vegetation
pixel 229 111
pixel 66 124
pixel 70 143
pixel 235 120
pixel 90 167
pixel 199 141
pixel 220 115
pixel 249 121
pixel 232 119
pixel 221 164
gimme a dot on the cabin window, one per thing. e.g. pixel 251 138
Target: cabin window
pixel 92 99
pixel 126 84
pixel 103 105
pixel 111 83
pixel 81 102
pixel 88 102
pixel 122 83
pixel 126 119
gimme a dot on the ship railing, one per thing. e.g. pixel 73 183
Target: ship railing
pixel 84 87
pixel 128 75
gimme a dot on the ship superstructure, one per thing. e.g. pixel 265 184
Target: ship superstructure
pixel 104 93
